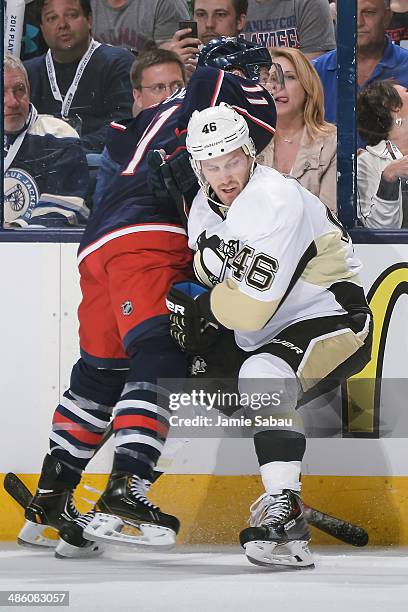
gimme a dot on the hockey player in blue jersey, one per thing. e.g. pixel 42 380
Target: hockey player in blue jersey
pixel 133 249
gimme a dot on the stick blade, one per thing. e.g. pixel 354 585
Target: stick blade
pixel 337 528
pixel 17 489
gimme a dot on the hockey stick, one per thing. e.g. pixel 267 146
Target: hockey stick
pixel 335 527
pixel 17 489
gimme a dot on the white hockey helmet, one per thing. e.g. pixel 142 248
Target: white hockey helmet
pixel 216 131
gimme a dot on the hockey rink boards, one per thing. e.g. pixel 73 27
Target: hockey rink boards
pixel 212 482
pixel 364 479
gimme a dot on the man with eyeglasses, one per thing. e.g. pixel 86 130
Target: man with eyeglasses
pixel 155 76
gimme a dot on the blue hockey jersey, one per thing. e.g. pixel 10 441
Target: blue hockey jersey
pixel 128 201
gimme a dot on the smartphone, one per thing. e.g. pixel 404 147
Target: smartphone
pixel 189 24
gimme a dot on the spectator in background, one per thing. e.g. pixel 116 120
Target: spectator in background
pixel 378 58
pixel 155 75
pixel 382 169
pixel 304 145
pixel 306 24
pixel 79 79
pixel 45 169
pixel 133 23
pixel 214 18
pixel 398 28
pixel 219 18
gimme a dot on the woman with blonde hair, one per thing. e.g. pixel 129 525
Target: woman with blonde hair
pixel 304 145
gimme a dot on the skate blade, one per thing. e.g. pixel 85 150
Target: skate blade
pixel 291 555
pixel 115 531
pixel 33 535
pixel 68 551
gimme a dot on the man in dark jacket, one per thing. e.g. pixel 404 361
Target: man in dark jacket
pixel 79 78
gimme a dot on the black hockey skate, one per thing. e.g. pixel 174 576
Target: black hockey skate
pixel 72 544
pixel 125 516
pixel 279 533
pixel 47 512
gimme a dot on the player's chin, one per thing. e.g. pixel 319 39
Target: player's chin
pixel 227 199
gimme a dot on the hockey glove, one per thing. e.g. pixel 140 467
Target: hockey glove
pixel 171 175
pixel 187 301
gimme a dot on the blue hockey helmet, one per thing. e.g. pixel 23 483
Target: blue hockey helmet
pixel 227 52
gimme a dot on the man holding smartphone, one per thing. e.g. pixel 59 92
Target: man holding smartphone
pixel 212 19
pixel 185 43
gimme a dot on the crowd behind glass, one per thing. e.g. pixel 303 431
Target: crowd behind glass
pixel 57 113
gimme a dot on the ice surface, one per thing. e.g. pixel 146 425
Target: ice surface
pixel 216 579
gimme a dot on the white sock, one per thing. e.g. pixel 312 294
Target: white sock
pixel 279 475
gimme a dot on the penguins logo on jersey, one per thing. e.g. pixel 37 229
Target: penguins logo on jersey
pixel 212 258
pixel 20 195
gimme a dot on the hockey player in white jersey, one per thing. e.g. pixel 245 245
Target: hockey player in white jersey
pixel 283 275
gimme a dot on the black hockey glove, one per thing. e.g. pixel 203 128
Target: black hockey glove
pixel 188 302
pixel 171 175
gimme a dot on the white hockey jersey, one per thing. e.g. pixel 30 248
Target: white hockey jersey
pixel 278 257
